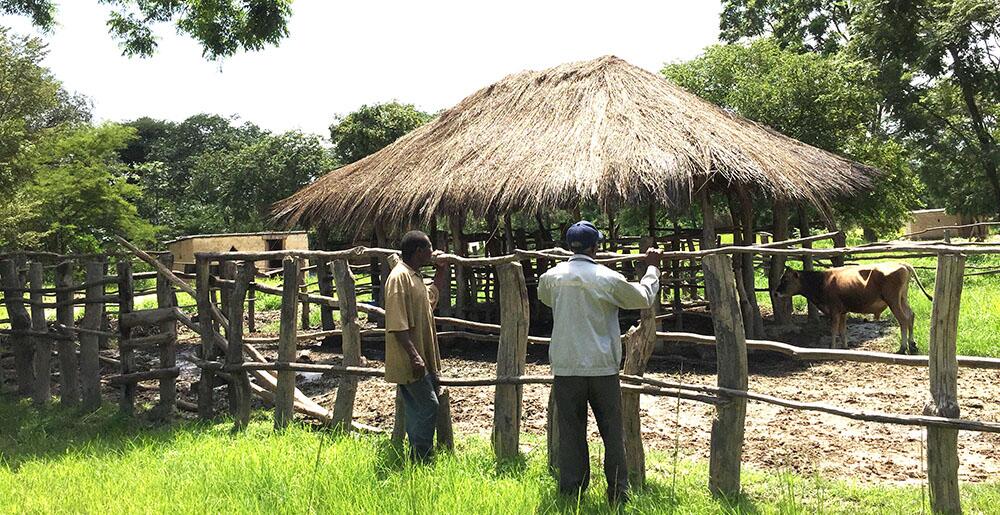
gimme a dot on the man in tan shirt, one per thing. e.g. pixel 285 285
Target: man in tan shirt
pixel 412 358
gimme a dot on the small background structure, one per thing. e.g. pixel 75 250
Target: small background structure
pixel 184 248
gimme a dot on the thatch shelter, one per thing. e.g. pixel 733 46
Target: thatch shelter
pixel 600 132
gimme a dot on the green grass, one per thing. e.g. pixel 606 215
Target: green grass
pixel 61 462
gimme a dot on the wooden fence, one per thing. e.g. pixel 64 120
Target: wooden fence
pixel 228 359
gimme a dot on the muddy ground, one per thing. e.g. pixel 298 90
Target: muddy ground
pixel 777 438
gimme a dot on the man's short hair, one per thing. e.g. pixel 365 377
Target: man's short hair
pixel 412 242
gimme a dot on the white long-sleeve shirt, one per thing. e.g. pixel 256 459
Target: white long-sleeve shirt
pixel 585 298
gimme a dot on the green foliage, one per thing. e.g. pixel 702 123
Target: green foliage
pixel 79 196
pixel 243 183
pixel 32 102
pixel 938 77
pixel 371 128
pixel 827 102
pixel 221 27
pixel 212 174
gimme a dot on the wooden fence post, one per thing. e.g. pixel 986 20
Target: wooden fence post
pixel 168 349
pixel 251 305
pixel 343 407
pixel 206 404
pixel 19 321
pixel 731 356
pixel 324 280
pixel 239 386
pixel 510 359
pixel 126 302
pixel 90 352
pixel 304 288
pixel 42 393
pixel 552 434
pixel 69 365
pixel 942 443
pixel 639 343
pixel 445 433
pixel 284 394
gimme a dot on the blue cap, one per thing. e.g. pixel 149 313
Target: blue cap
pixel 582 235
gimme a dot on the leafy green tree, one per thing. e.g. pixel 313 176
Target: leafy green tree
pixel 163 159
pixel 221 27
pixel 79 196
pixel 32 102
pixel 939 76
pixel 827 102
pixel 244 182
pixel 371 128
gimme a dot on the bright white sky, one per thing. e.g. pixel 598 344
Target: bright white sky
pixel 341 55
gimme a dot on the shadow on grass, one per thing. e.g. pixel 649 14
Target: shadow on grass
pixel 29 433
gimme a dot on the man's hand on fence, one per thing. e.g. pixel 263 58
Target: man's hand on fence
pixel 654 257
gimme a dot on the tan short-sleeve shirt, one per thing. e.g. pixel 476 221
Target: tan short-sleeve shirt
pixel 409 306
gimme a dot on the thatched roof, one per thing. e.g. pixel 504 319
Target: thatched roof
pixel 601 130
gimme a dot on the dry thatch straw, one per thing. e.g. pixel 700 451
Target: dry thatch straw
pixel 601 130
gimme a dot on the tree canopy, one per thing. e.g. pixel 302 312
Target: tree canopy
pixel 827 102
pixel 221 27
pixel 371 128
pixel 938 77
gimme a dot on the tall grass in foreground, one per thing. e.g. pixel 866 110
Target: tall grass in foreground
pixel 100 463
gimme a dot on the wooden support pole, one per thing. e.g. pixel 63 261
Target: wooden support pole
pixel 69 364
pixel 731 352
pixel 284 394
pixel 708 218
pixel 457 222
pixel 324 280
pixel 807 260
pixel 343 407
pixel 749 238
pixel 638 342
pixel 42 393
pixel 398 421
pixel 168 349
pixel 19 321
pixel 206 402
pixel 942 443
pixel 126 302
pixel 781 305
pixel 90 352
pixel 511 354
pixel 239 387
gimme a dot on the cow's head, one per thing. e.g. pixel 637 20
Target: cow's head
pixel 791 283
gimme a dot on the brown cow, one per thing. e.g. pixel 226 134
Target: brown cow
pixel 857 289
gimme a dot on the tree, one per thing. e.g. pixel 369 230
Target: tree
pixel 221 27
pixel 32 102
pixel 244 182
pixel 79 194
pixel 939 76
pixel 827 102
pixel 163 158
pixel 371 128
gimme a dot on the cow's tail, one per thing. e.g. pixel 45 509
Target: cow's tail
pixel 913 274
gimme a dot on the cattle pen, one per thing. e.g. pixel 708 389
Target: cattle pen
pixel 221 282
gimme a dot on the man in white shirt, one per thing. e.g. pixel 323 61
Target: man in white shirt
pixel 586 354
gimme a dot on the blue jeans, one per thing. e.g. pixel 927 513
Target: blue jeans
pixel 420 406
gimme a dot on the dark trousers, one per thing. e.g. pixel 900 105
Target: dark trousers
pixel 604 394
pixel 420 405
